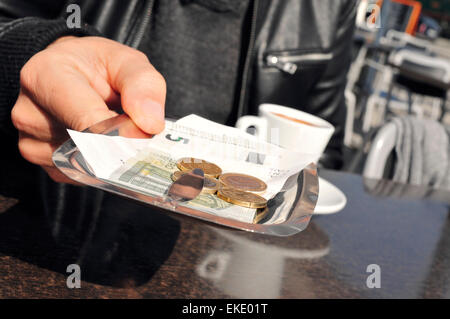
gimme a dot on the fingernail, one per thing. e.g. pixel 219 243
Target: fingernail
pixel 152 115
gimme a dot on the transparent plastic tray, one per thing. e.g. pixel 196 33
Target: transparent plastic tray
pixel 289 211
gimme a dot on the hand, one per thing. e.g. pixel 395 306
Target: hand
pixel 77 82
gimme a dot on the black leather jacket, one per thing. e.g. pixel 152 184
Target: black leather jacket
pixel 309 39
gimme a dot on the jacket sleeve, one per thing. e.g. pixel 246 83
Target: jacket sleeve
pixel 20 39
pixel 327 96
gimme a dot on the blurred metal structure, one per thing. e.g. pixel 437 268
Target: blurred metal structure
pixel 381 148
pixel 393 73
pixel 415 72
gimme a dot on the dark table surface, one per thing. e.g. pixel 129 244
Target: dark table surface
pixel 126 250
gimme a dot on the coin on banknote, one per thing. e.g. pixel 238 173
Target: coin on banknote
pixel 189 163
pixel 241 198
pixel 210 185
pixel 243 182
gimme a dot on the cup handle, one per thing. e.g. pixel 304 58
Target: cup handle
pixel 260 123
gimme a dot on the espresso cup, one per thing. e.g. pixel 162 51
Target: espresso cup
pixel 289 128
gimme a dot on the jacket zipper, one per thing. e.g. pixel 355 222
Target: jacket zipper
pixel 143 27
pixel 291 63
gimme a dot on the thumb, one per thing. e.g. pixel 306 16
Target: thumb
pixel 143 92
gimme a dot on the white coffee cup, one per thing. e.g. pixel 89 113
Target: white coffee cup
pixel 272 125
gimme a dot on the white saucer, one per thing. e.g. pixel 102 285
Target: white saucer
pixel 331 199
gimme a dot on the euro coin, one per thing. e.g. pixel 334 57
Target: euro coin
pixel 210 185
pixel 243 182
pixel 189 163
pixel 241 198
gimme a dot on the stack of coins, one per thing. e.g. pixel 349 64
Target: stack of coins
pixel 235 188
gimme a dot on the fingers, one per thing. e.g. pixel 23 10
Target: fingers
pixel 65 94
pixel 31 119
pixel 40 153
pixel 77 91
pixel 35 151
pixel 142 88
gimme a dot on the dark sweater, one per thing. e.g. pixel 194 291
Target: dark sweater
pixel 196 46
